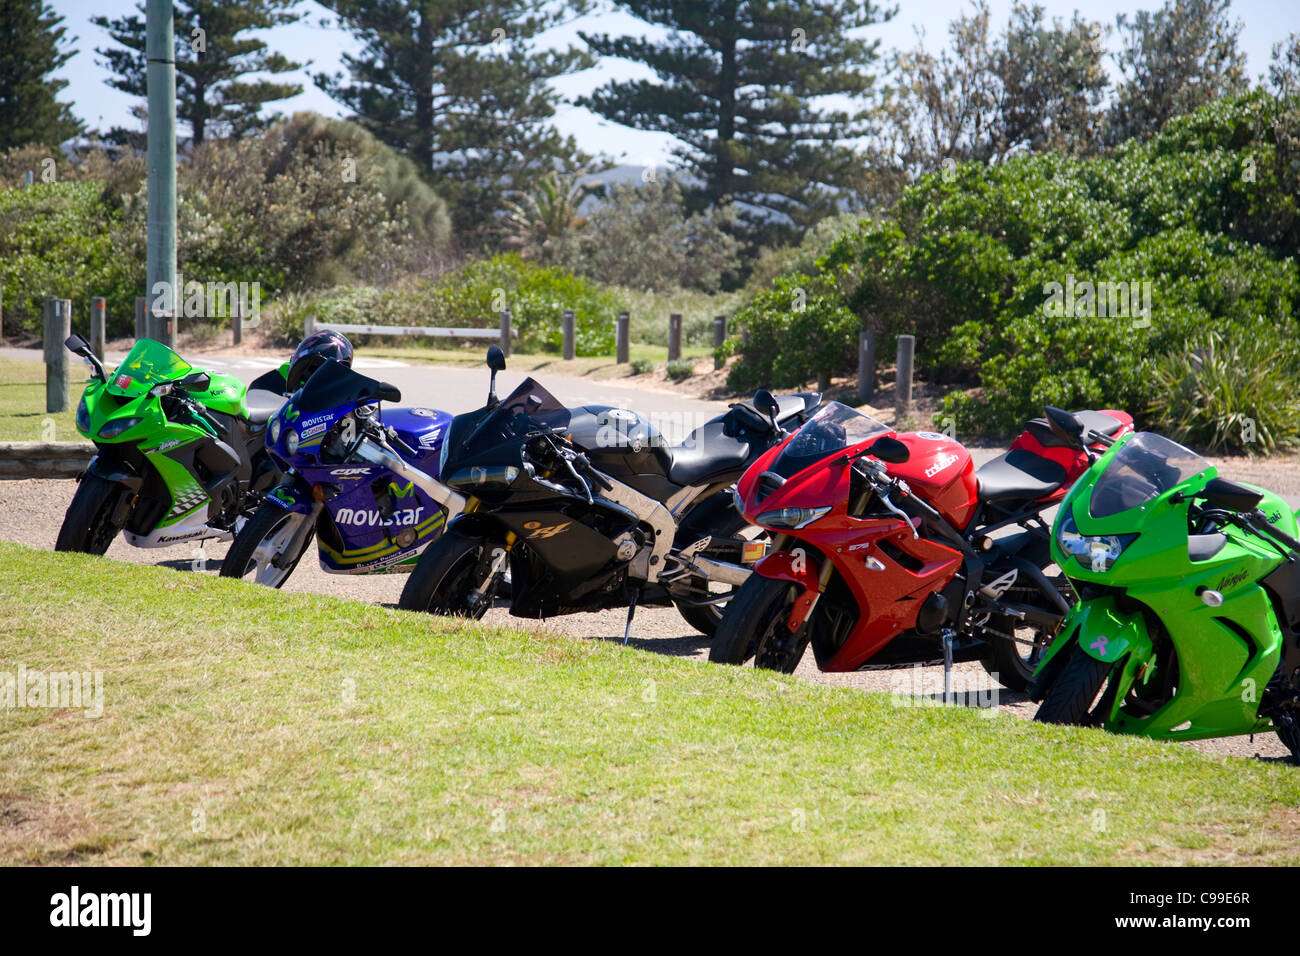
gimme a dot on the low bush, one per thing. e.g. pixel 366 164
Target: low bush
pixel 680 369
pixel 1230 392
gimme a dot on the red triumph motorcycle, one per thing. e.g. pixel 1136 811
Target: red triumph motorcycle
pixel 884 550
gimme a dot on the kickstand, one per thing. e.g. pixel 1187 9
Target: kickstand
pixel 947 666
pixel 631 609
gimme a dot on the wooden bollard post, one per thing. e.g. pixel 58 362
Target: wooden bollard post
pixel 98 325
pixel 866 366
pixel 621 331
pixel 903 380
pixel 308 325
pixel 236 323
pixel 505 332
pixel 141 318
pixel 570 346
pixel 58 326
pixel 719 336
pixel 674 336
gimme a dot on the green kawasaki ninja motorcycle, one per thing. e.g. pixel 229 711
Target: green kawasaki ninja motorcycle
pixel 1188 623
pixel 180 452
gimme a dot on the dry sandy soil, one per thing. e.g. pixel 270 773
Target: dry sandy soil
pixel 32 510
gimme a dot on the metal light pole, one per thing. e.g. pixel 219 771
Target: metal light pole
pixel 160 263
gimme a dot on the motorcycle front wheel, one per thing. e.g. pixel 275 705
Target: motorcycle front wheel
pixel 88 526
pixel 258 553
pixel 454 577
pixel 1073 695
pixel 754 627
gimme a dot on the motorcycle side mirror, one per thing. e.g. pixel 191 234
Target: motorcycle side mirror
pixel 890 450
pixel 1064 426
pixel 496 361
pixel 196 382
pixel 766 403
pixel 77 345
pixel 1230 496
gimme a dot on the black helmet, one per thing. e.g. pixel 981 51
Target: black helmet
pixel 312 353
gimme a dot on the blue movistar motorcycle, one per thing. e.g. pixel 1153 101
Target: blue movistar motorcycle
pixel 362 480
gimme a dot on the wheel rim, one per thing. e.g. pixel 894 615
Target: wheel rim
pixel 774 647
pixel 451 597
pixel 260 568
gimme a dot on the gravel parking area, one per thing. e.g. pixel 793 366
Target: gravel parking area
pixel 32 510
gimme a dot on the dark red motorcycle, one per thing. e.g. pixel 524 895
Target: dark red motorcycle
pixel 885 550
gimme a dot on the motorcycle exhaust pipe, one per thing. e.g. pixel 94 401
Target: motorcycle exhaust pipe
pixel 378 454
pixel 723 572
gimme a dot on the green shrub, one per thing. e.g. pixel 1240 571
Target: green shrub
pixel 1203 216
pixel 797 333
pixel 641 367
pixel 1232 392
pixel 58 239
pixel 680 369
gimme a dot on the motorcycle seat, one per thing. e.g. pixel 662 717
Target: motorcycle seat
pixel 1096 421
pixel 706 455
pixel 262 405
pixel 1018 474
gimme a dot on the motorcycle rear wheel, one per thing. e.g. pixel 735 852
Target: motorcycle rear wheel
pixel 1072 696
pixel 706 618
pixel 754 627
pixel 88 526
pixel 260 542
pixel 448 571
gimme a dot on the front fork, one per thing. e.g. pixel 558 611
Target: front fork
pixel 784 563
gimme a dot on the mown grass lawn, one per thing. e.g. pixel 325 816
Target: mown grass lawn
pixel 247 726
pixel 22 403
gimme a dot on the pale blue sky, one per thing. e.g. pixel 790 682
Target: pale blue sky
pixel 1264 23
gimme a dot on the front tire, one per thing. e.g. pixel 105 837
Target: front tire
pixel 448 574
pixel 755 626
pixel 88 526
pixel 258 552
pixel 1071 696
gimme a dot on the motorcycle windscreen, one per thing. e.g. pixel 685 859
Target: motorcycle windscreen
pixel 525 411
pixel 1145 467
pixel 832 429
pixel 332 385
pixel 147 364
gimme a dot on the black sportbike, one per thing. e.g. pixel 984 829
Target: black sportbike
pixel 582 509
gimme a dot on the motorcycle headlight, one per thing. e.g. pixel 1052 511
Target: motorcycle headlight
pixel 479 475
pixel 83 417
pixel 275 429
pixel 791 517
pixel 291 441
pixel 1097 553
pixel 117 426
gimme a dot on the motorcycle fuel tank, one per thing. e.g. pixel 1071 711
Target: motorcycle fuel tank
pixel 622 444
pixel 424 429
pixel 941 470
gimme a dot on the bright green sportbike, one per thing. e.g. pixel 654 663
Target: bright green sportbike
pixel 180 453
pixel 1188 623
